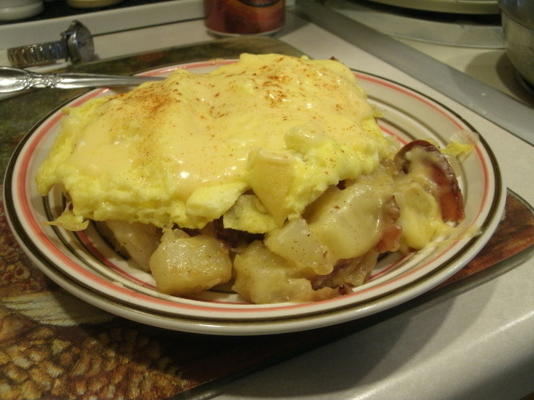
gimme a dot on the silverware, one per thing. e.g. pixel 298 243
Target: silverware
pixel 14 80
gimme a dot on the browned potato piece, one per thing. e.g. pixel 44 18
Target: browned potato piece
pixel 271 176
pixel 296 243
pixel 183 265
pixel 420 217
pixel 137 239
pixel 263 277
pixel 348 221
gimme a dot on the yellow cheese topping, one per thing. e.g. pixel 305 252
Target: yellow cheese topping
pixel 183 150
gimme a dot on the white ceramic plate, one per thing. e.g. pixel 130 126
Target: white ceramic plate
pixel 89 268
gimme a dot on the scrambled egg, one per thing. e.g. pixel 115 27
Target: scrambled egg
pixel 182 151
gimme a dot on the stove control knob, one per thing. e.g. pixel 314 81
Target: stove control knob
pixel 76 45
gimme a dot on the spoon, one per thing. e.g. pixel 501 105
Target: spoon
pixel 14 80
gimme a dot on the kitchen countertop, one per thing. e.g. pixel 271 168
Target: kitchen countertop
pixel 474 342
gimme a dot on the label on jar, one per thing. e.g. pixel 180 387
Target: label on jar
pixel 244 17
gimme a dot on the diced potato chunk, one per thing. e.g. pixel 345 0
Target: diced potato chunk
pixel 137 239
pixel 184 265
pixel 270 177
pixel 263 277
pixel 420 216
pixel 296 243
pixel 348 221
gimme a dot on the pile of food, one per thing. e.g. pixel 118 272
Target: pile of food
pixel 269 175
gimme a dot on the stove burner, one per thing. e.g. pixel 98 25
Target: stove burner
pixel 451 29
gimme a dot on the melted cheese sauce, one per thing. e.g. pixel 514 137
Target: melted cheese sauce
pixel 177 151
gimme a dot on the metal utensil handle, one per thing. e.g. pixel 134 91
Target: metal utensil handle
pixel 80 80
pixel 14 80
